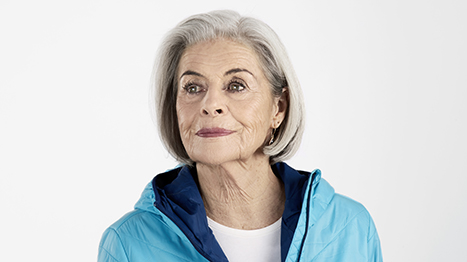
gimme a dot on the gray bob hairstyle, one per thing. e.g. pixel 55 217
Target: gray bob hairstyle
pixel 274 62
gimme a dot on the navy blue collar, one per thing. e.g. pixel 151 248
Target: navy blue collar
pixel 177 196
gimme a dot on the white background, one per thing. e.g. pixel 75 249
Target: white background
pixel 385 84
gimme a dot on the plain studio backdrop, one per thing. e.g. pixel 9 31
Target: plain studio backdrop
pixel 385 86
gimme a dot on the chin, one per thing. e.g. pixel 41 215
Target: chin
pixel 213 158
pixel 214 152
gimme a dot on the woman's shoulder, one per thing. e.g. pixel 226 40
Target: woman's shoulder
pixel 343 214
pixel 131 220
pixel 339 205
pixel 141 235
pixel 353 214
pixel 115 241
pixel 335 222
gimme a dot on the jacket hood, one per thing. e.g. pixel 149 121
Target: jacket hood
pixel 175 193
pixel 170 224
pixel 147 200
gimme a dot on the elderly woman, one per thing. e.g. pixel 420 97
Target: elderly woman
pixel 230 109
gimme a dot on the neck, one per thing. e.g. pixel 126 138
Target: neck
pixel 243 195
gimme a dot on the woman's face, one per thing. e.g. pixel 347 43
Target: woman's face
pixel 225 107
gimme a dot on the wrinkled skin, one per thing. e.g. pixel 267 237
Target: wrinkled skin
pixel 221 85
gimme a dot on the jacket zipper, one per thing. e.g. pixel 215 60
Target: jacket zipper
pixel 307 218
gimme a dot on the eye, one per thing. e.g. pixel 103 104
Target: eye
pixel 235 86
pixel 192 88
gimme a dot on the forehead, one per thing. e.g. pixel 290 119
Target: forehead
pixel 219 55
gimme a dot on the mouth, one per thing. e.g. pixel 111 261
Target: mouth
pixel 213 132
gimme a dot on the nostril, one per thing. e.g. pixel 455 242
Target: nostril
pixel 205 112
pixel 219 111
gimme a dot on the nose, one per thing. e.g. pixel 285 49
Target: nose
pixel 213 103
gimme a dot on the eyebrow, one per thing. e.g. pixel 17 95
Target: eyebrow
pixel 237 70
pixel 189 72
pixel 231 71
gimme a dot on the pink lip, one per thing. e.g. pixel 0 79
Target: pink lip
pixel 213 132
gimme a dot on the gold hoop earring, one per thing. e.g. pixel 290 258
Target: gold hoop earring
pixel 272 136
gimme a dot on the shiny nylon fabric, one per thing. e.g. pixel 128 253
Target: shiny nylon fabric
pixel 177 196
pixel 169 223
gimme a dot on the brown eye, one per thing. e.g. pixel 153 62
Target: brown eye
pixel 192 88
pixel 236 87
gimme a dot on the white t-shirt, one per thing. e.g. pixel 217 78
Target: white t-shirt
pixel 257 245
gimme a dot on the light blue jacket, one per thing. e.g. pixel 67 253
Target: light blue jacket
pixel 169 223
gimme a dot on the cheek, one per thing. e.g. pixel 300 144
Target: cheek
pixel 255 116
pixel 185 116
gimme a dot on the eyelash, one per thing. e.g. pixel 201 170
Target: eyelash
pixel 235 81
pixel 190 84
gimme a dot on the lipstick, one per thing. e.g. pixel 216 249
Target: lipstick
pixel 213 132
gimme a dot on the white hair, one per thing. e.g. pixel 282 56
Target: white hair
pixel 273 59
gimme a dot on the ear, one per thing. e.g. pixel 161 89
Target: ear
pixel 280 108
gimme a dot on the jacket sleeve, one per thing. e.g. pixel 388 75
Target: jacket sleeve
pixel 111 248
pixel 374 246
